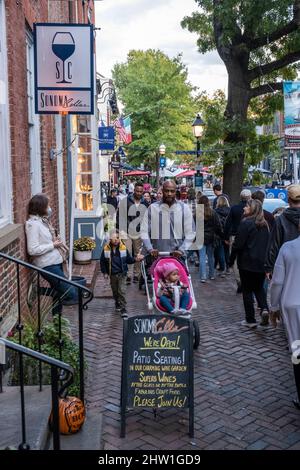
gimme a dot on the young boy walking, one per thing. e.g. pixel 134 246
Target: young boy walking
pixel 114 264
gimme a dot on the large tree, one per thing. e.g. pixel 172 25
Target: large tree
pixel 259 43
pixel 156 94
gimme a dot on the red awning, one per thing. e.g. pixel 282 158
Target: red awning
pixel 137 173
pixel 186 173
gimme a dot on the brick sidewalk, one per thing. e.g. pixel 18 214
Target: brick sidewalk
pixel 243 379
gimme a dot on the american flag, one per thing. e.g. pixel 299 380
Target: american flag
pixel 119 125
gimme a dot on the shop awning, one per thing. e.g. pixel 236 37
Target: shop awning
pixel 186 173
pixel 137 173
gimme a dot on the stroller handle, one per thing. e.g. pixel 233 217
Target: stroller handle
pixel 164 253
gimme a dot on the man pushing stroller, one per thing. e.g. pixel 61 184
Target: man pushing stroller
pixel 168 225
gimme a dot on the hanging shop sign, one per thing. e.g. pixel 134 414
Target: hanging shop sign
pixel 64 68
pixel 106 138
pixel 292 114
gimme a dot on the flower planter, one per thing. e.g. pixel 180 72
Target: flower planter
pixel 83 257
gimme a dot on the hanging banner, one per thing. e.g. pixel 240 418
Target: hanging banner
pixel 106 138
pixel 292 114
pixel 64 68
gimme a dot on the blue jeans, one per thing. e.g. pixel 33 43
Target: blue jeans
pixel 63 290
pixel 220 256
pixel 207 250
pixel 167 303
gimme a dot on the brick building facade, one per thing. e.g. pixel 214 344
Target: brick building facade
pixel 26 138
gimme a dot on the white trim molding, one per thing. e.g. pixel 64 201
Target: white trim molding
pixel 5 154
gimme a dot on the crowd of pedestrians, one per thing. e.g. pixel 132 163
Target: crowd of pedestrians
pixel 260 249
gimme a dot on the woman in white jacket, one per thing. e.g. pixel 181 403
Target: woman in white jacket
pixel 285 300
pixel 46 249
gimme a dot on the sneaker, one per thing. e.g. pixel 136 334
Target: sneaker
pixel 185 313
pixel 249 325
pixel 212 278
pixel 135 279
pixel 223 274
pixel 118 308
pixel 228 271
pixel 264 318
pixel 197 263
pixel 297 404
pixel 203 280
pixel 124 313
pixel 128 280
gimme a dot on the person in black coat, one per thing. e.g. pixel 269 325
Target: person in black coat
pixel 112 199
pixel 231 227
pixel 222 249
pixel 249 248
pixel 285 228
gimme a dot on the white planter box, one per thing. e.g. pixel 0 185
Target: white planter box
pixel 83 256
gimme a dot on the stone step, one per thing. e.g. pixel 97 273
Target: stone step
pixel 88 438
pixel 37 411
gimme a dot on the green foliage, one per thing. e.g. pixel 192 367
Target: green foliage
pixel 259 42
pixel 70 352
pixel 155 92
pixel 256 147
pixel 243 21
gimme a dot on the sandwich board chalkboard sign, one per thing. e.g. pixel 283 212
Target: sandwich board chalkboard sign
pixel 157 365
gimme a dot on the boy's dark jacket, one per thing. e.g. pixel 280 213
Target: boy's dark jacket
pixel 115 262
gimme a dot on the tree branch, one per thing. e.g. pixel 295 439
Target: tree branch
pixel 275 65
pixel 218 31
pixel 279 33
pixel 264 89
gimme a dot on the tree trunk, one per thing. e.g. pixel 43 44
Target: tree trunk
pixel 237 107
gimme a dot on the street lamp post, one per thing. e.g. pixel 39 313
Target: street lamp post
pixel 198 128
pixel 161 152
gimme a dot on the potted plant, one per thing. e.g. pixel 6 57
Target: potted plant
pixel 83 248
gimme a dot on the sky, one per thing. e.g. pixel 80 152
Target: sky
pixel 155 24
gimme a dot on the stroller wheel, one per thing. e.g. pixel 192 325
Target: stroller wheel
pixel 196 334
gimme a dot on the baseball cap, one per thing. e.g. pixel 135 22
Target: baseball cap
pixel 294 192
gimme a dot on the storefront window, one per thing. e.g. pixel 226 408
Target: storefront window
pixel 84 177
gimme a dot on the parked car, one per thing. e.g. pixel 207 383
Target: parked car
pixel 272 204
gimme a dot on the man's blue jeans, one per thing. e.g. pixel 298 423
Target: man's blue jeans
pixel 64 291
pixel 169 305
pixel 207 250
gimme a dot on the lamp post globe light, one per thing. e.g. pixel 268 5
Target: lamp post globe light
pixel 198 129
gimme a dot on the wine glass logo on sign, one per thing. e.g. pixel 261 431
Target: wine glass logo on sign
pixel 63 46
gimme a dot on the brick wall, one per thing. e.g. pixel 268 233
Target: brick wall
pixel 20 16
pixel 8 291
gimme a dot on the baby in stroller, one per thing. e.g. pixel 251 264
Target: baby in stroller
pixel 172 293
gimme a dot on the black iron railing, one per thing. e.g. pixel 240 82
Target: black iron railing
pixel 84 297
pixel 61 374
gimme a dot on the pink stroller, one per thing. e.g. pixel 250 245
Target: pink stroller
pixel 185 278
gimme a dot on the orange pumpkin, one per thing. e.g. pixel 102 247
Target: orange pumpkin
pixel 71 415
